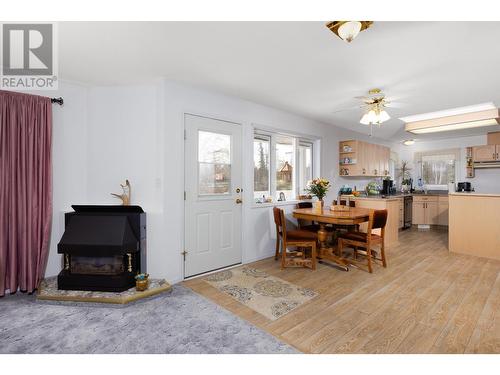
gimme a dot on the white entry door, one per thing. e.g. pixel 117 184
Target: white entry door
pixel 212 194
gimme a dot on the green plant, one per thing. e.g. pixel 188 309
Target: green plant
pixel 405 172
pixel 318 187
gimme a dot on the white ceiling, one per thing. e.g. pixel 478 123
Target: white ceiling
pixel 298 66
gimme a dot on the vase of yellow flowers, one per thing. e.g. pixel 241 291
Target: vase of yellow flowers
pixel 318 188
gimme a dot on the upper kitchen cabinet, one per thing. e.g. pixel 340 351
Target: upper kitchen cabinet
pixel 359 158
pixel 485 153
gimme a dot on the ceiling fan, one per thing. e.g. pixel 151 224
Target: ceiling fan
pixel 374 106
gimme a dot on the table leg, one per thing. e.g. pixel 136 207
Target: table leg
pixel 328 253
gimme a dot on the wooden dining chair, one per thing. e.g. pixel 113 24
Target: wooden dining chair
pixel 293 238
pixel 344 203
pixel 357 239
pixel 306 224
pixel 339 227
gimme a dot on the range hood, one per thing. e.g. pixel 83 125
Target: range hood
pixel 487 164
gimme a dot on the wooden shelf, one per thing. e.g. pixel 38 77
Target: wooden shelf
pixel 371 160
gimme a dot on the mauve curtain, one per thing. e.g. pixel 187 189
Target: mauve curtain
pixel 25 189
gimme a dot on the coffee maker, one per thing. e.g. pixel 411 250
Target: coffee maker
pixel 388 187
pixel 464 187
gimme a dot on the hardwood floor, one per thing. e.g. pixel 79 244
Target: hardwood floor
pixel 427 301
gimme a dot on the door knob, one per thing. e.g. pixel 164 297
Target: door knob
pixel 238 190
pixel 239 201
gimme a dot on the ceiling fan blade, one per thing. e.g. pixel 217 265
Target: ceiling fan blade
pixel 396 105
pixel 349 108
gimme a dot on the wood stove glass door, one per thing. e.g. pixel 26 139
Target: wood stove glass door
pixel 213 194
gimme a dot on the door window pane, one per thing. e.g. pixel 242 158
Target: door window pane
pixel 284 168
pixel 261 175
pixel 214 163
pixel 304 163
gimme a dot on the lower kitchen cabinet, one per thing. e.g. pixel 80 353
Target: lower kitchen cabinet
pixel 430 210
pixel 418 211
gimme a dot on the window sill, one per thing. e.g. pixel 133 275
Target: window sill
pixel 272 204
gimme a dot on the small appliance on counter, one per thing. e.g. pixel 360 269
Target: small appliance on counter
pixel 345 190
pixel 372 188
pixel 464 187
pixel 388 187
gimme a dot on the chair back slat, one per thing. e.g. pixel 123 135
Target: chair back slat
pixel 304 205
pixel 344 203
pixel 302 222
pixel 379 219
pixel 279 220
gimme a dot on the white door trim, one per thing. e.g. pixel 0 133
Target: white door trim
pixel 244 181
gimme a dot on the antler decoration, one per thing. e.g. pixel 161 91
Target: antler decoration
pixel 125 197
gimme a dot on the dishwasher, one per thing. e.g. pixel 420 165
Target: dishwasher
pixel 408 207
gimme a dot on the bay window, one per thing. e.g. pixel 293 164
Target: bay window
pixel 283 165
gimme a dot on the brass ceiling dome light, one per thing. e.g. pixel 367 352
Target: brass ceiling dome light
pixel 348 30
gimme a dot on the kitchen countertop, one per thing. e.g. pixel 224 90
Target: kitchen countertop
pixel 375 197
pixel 396 196
pixel 475 194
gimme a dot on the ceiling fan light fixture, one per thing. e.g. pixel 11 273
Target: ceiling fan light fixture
pixel 348 30
pixel 375 115
pixel 383 117
pixel 367 118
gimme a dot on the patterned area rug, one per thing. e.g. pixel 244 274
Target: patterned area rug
pixel 268 295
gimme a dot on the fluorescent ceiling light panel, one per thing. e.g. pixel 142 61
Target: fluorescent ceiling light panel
pixel 460 126
pixel 462 118
pixel 449 112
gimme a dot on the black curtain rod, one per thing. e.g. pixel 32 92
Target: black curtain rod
pixel 58 100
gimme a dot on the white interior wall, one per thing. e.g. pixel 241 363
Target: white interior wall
pixel 69 151
pixel 258 229
pixel 104 135
pixel 485 180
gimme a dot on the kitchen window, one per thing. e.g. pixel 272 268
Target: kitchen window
pixel 438 168
pixel 283 165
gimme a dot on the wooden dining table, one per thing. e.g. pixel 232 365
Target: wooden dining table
pixel 346 216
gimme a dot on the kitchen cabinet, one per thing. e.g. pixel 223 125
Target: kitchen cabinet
pixel 426 210
pixel 431 213
pixel 401 213
pixel 493 138
pixel 372 163
pixel 485 153
pixel 357 158
pixel 418 213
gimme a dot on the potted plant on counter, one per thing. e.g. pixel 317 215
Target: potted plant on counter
pixel 406 176
pixel 318 188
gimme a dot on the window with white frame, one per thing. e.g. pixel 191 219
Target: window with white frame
pixel 262 167
pixel 438 168
pixel 304 165
pixel 283 165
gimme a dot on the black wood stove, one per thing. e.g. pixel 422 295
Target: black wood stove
pixel 104 248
